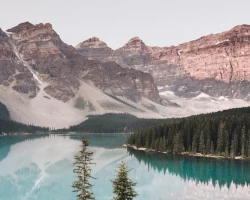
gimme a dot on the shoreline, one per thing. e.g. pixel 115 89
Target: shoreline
pixel 22 134
pixel 184 153
pixel 55 133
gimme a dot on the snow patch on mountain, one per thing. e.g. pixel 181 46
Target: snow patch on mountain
pixel 168 93
pixel 201 96
pixel 222 98
pixel 20 57
pixel 219 42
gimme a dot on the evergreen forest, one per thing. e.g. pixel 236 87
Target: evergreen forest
pixel 225 133
pixel 112 123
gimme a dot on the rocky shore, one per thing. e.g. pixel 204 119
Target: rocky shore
pixel 185 153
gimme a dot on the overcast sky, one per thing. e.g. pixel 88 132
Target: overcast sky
pixel 156 22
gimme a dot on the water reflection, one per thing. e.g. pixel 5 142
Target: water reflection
pixel 108 141
pixel 223 172
pixel 6 142
pixel 41 168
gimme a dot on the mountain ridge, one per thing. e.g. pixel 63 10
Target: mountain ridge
pixel 216 59
pixel 46 82
pixel 43 78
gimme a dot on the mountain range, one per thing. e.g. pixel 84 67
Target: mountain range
pixel 44 81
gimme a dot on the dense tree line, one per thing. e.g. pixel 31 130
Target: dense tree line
pixel 112 123
pixel 4 113
pixel 9 126
pixel 225 133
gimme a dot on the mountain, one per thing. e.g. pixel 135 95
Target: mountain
pixel 216 64
pixel 45 82
pixel 40 48
pixel 42 80
pixel 94 47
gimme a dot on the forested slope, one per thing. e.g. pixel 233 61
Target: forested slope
pixel 225 133
pixel 4 113
pixel 113 123
pixel 9 126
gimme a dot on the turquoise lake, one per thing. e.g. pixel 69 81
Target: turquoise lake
pixel 40 168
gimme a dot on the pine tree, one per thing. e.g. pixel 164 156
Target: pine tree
pixel 157 142
pixel 208 146
pixel 248 148
pixel 212 148
pixel 234 145
pixel 122 185
pixel 221 138
pixel 147 141
pixel 202 147
pixel 161 147
pixel 243 142
pixel 139 141
pixel 178 143
pixel 195 143
pixel 147 145
pixel 164 144
pixel 83 171
pixel 227 144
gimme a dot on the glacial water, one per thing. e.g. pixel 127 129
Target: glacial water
pixel 40 168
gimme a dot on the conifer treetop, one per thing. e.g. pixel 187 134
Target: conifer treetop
pixel 122 185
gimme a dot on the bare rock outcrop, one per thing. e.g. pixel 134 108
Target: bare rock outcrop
pixel 38 58
pixel 94 48
pixel 217 60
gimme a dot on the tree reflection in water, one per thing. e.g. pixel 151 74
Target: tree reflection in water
pixel 223 172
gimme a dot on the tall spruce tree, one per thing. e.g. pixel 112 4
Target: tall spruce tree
pixel 83 171
pixel 178 143
pixel 227 144
pixel 195 143
pixel 212 148
pixel 248 144
pixel 234 145
pixel 202 146
pixel 161 146
pixel 221 138
pixel 208 146
pixel 122 185
pixel 243 142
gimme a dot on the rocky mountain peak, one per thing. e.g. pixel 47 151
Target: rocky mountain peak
pixel 93 39
pixel 93 42
pixel 21 27
pixel 135 44
pixel 28 27
pixel 241 28
pixel 239 33
pixel 37 41
pixel 136 38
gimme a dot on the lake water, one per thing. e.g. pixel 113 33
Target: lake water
pixel 40 168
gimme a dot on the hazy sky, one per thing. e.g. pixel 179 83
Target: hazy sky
pixel 156 22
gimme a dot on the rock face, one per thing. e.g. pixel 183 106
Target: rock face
pixel 94 47
pixel 217 64
pixel 33 58
pixel 223 57
pixel 12 71
pixel 46 82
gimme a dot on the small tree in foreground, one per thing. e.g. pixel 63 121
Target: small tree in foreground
pixel 83 171
pixel 122 185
